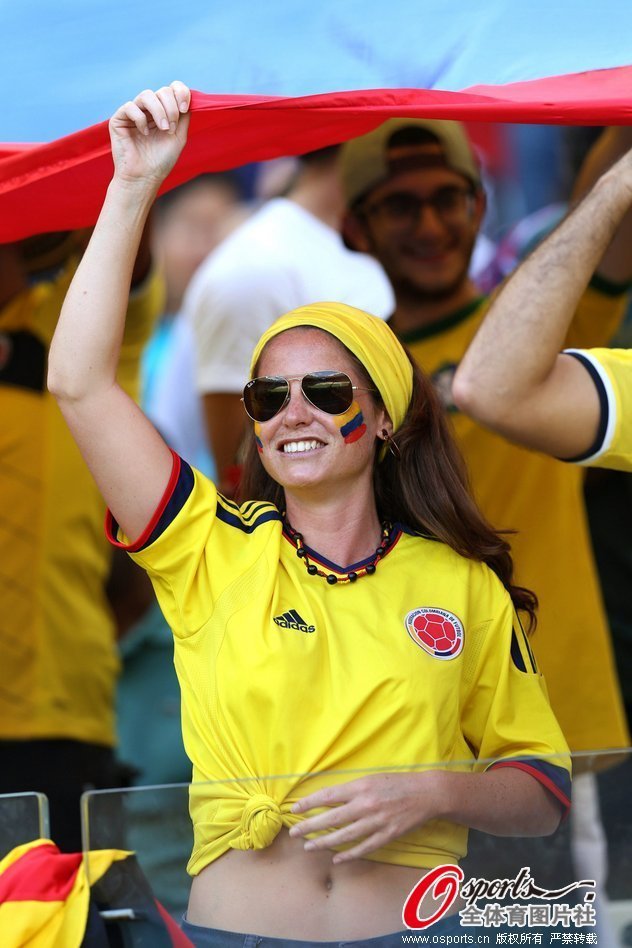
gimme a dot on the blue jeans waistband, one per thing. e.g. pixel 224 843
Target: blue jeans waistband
pixel 215 938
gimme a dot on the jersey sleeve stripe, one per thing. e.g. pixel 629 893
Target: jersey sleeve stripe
pixel 607 406
pixel 516 654
pixel 556 779
pixel 234 520
pixel 173 500
pixel 534 664
pixel 516 650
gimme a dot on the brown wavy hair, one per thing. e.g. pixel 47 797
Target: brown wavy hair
pixel 427 489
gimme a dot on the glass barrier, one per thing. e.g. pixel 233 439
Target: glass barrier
pixel 584 868
pixel 23 818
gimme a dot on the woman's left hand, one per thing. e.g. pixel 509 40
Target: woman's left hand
pixel 375 809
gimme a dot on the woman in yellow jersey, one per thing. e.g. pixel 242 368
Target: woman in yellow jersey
pixel 357 689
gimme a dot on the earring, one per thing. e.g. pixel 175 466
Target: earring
pixel 393 447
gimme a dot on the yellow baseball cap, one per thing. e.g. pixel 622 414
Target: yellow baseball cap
pixel 370 159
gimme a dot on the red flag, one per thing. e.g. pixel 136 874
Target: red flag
pixel 61 185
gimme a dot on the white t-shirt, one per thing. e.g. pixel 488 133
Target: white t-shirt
pixel 280 258
pixel 174 405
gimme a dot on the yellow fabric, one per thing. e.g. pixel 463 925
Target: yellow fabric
pixel 283 674
pixel 617 450
pixel 367 337
pixel 542 499
pixel 53 924
pixel 59 660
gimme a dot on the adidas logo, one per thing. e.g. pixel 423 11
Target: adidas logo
pixel 292 620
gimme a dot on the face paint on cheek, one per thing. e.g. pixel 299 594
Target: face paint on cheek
pixel 351 424
pixel 257 438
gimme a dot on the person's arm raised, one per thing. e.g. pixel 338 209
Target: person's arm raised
pixel 513 378
pixel 615 265
pixel 127 457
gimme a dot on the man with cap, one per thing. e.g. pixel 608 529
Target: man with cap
pixel 415 201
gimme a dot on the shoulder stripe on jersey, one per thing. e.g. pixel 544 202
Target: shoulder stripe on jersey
pixel 230 504
pixel 517 652
pixel 247 516
pixel 250 507
pixel 556 779
pixel 251 514
pixel 606 408
pixel 234 520
pixel 173 500
pixel 525 639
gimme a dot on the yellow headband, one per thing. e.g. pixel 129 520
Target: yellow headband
pixel 367 337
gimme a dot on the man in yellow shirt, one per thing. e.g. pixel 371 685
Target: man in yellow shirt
pixel 415 201
pixel 59 661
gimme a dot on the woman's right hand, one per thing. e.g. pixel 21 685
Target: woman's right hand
pixel 148 134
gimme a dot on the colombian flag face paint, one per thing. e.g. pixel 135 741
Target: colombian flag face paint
pixel 257 438
pixel 351 424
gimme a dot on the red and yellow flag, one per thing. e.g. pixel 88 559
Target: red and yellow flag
pixel 44 894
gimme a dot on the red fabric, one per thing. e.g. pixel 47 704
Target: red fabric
pixel 7 149
pixel 36 877
pixel 178 938
pixel 61 185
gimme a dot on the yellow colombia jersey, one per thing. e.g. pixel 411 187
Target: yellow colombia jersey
pixel 542 499
pixel 611 371
pixel 59 657
pixel 283 674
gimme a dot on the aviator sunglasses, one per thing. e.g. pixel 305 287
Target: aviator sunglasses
pixel 328 391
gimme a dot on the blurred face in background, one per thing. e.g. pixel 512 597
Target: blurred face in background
pixel 191 222
pixel 422 225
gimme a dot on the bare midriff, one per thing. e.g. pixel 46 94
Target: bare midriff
pixel 285 892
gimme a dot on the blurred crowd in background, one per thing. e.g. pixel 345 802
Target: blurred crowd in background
pixel 528 174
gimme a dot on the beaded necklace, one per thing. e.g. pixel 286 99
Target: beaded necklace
pixel 367 570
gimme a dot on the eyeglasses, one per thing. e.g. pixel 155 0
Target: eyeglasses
pixel 402 208
pixel 328 391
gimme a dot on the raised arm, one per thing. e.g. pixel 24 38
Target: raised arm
pixel 615 264
pixel 513 378
pixel 127 457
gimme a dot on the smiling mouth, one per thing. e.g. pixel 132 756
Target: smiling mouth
pixel 301 447
pixel 427 254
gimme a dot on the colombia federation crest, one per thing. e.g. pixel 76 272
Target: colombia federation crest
pixel 438 632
